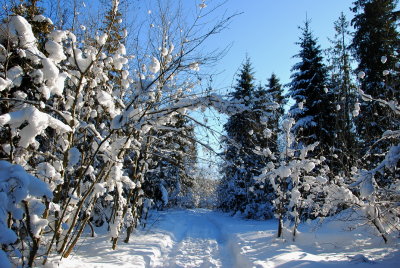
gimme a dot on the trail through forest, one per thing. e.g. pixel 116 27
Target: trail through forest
pixel 203 238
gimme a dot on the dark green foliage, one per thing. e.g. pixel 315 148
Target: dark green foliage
pixel 313 110
pixel 376 35
pixel 344 90
pixel 173 154
pixel 275 94
pixel 239 190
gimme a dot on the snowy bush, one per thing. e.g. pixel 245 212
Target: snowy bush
pixel 23 198
pixel 296 180
pixel 379 200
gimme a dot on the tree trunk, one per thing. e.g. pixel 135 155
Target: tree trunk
pixel 280 226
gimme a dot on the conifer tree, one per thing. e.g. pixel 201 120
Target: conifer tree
pixel 33 13
pixel 236 180
pixel 344 90
pixel 239 191
pixel 313 111
pixel 376 44
pixel 275 94
pixel 169 181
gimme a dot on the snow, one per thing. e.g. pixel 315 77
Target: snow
pixel 46 170
pixel 38 122
pixel 309 166
pixel 17 185
pixel 101 40
pixel 154 66
pixel 55 51
pixel 204 238
pixel 4 262
pixel 83 62
pixel 164 52
pixel 164 194
pixel 283 171
pixel 74 155
pixel 356 110
pixel 58 35
pixel 50 74
pixel 37 224
pixel 105 99
pixel 99 189
pixel 15 75
pixel 4 83
pixel 194 66
pixel 19 29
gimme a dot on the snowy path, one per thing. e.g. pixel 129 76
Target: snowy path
pixel 200 241
pixel 203 238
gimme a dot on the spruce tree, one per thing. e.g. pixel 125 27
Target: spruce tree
pixel 239 191
pixel 344 90
pixel 313 109
pixel 275 94
pixel 376 46
pixel 169 181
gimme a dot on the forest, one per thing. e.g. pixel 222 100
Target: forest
pixel 98 124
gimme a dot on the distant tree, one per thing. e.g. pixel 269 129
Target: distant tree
pixel 236 180
pixel 173 155
pixel 344 91
pixel 313 109
pixel 275 94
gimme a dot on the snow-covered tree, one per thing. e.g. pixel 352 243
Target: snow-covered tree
pixel 66 120
pixel 344 89
pixel 377 187
pixel 245 132
pixel 274 92
pixel 21 208
pixel 33 13
pixel 376 45
pixel 313 109
pixel 173 155
pixel 295 185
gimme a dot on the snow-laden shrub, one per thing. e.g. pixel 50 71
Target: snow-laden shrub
pixel 296 178
pixel 380 200
pixel 21 204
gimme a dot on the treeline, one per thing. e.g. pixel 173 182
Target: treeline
pixel 337 146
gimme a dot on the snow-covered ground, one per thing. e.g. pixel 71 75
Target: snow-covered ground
pixel 203 238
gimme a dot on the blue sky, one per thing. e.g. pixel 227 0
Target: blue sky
pixel 268 30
